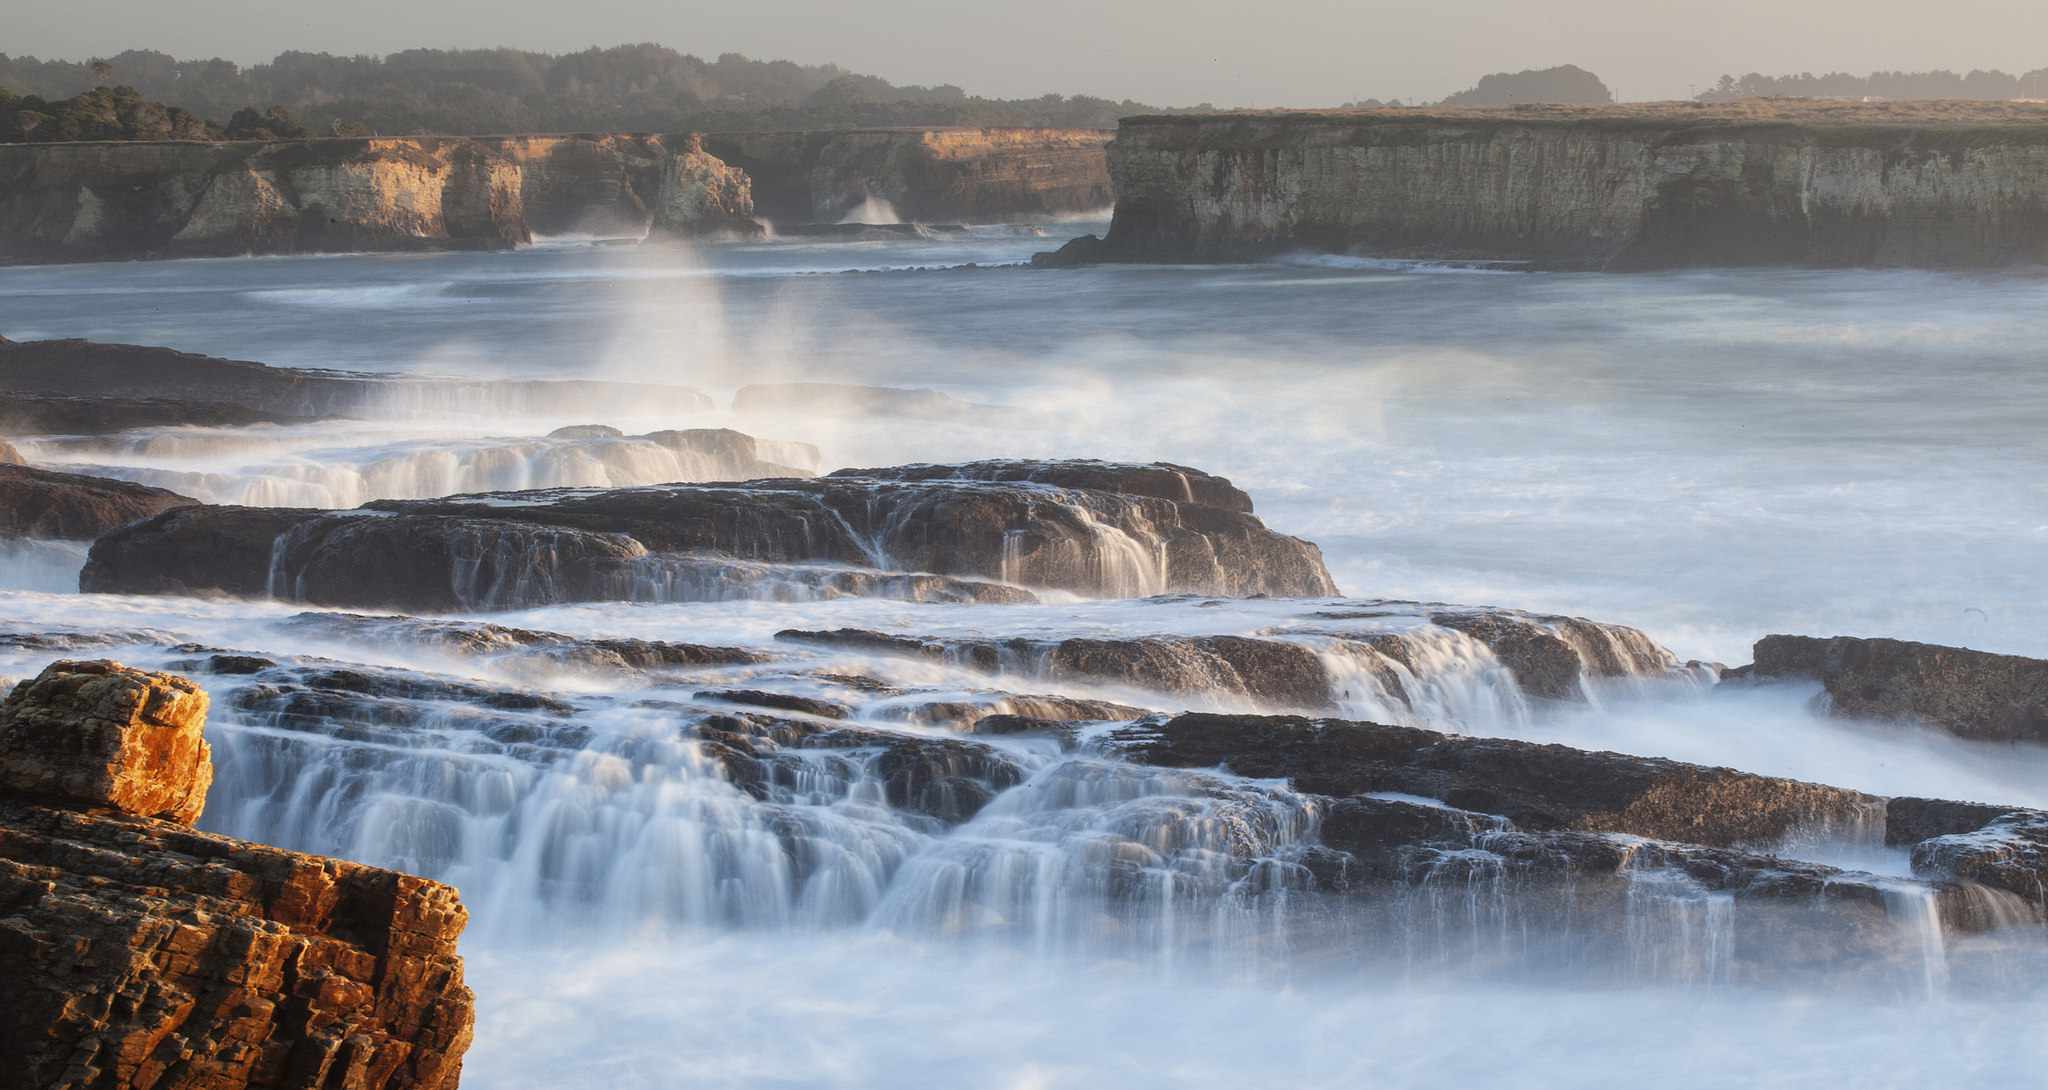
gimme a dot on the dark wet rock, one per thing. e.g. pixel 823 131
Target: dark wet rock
pixel 1551 656
pixel 587 431
pixel 421 564
pixel 485 639
pixel 866 641
pixel 85 369
pixel 1970 694
pixel 226 665
pixel 1272 672
pixel 80 641
pixel 945 779
pixel 936 539
pixel 1085 250
pixel 401 710
pixel 135 951
pixel 788 702
pixel 2010 853
pixel 1538 787
pixel 962 711
pixel 1158 480
pixel 1065 732
pixel 191 550
pixel 45 504
pixel 48 414
pixel 1908 821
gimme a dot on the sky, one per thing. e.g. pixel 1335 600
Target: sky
pixel 1164 52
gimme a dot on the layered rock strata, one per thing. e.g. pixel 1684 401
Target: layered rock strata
pixel 71 202
pixel 1970 694
pixel 137 952
pixel 1624 187
pixel 925 175
pixel 935 537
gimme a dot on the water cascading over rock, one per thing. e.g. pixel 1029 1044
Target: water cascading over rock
pixel 955 537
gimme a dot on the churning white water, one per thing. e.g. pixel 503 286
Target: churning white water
pixel 1707 456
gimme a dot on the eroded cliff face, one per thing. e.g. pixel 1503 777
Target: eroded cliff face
pixel 138 952
pixel 926 175
pixel 88 201
pixel 1616 188
pixel 80 202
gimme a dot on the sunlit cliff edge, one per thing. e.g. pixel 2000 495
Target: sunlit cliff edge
pixel 94 201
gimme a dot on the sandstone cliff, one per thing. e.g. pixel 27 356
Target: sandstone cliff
pixel 136 952
pixel 92 201
pixel 88 201
pixel 73 202
pixel 927 175
pixel 1619 187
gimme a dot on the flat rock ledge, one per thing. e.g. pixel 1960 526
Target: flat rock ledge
pixel 137 952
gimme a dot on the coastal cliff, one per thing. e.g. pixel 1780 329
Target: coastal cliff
pixel 96 201
pixel 1626 187
pixel 138 952
pixel 100 201
pixel 926 175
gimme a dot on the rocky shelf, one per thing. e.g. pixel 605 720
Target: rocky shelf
pixel 136 951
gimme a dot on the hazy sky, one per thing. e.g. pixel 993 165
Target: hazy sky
pixel 1169 52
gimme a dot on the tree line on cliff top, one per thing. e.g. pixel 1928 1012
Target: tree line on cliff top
pixel 147 95
pixel 644 88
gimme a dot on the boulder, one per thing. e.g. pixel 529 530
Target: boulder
pixel 46 504
pixel 138 952
pixel 1970 694
pixel 10 455
pixel 98 734
pixel 1537 787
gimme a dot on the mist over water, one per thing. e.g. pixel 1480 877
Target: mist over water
pixel 1708 456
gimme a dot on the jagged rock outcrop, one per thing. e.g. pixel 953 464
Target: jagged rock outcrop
pixel 87 369
pixel 925 175
pixel 1636 186
pixel 701 195
pixel 137 952
pixel 67 506
pixel 935 537
pixel 1970 694
pixel 1537 787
